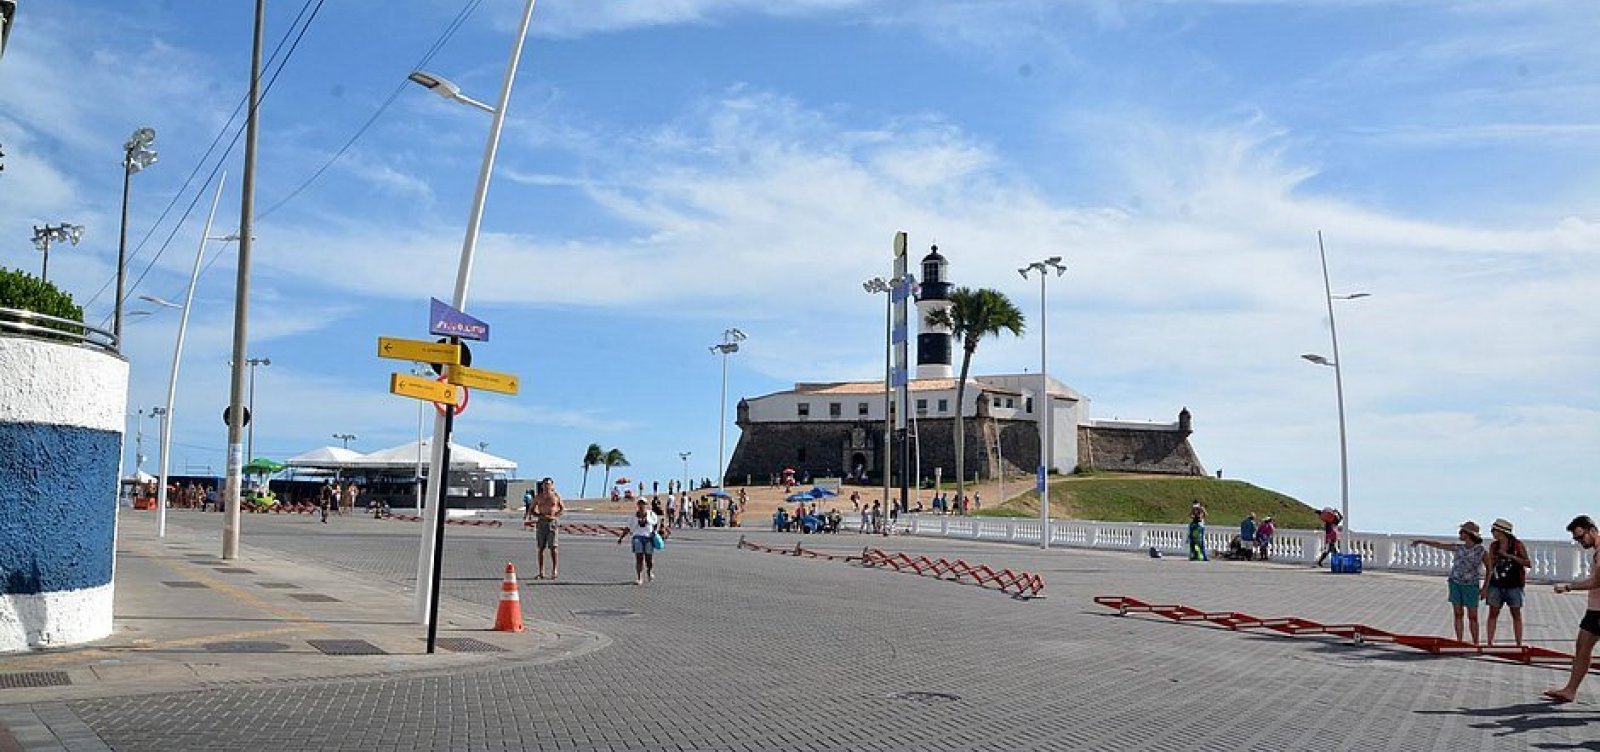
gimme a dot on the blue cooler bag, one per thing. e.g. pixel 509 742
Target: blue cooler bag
pixel 1346 563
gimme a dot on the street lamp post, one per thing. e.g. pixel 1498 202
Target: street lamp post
pixel 685 457
pixel 730 344
pixel 250 441
pixel 177 356
pixel 136 155
pixel 428 563
pixel 1042 402
pixel 886 287
pixel 44 236
pixel 346 438
pixel 1338 385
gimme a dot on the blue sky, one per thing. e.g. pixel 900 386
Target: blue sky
pixel 670 169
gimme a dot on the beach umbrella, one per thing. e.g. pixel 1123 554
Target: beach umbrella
pixel 262 466
pixel 720 494
pixel 802 497
pixel 818 492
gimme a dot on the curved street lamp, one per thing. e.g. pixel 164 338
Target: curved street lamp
pixel 1338 385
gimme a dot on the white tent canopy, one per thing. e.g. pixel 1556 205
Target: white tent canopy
pixel 405 455
pixel 328 456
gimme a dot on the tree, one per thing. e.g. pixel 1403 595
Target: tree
pixel 591 457
pixel 613 458
pixel 973 315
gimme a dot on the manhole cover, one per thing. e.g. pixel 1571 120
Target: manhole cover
pixel 245 646
pixel 236 570
pixel 313 598
pixel 926 698
pixel 34 679
pixel 278 585
pixel 347 647
pixel 468 645
pixel 185 584
pixel 604 612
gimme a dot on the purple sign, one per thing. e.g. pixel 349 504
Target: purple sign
pixel 449 322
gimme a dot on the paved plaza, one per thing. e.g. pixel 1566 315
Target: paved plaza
pixel 735 649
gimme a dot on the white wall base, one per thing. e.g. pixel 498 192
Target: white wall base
pixel 53 619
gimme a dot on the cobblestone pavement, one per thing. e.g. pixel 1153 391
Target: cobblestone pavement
pixel 731 649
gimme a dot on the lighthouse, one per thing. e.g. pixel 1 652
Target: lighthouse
pixel 933 342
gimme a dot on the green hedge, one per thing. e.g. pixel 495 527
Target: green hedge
pixel 21 290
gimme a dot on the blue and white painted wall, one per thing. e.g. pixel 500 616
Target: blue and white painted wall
pixel 61 419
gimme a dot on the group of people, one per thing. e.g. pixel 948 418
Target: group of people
pixel 191 496
pixel 1254 540
pixel 961 505
pixel 1497 574
pixel 804 520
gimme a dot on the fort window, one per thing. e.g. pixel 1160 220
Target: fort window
pixel 1028 405
pixel 861 409
pixel 922 407
pixel 805 409
pixel 944 406
pixel 835 409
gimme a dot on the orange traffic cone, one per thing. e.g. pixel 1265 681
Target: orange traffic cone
pixel 508 617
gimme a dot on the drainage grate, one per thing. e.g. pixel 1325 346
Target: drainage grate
pixel 468 645
pixel 313 598
pixel 185 584
pixel 245 646
pixel 278 585
pixel 236 570
pixel 604 612
pixel 347 647
pixel 926 698
pixel 34 679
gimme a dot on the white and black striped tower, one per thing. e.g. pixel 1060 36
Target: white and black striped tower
pixel 934 343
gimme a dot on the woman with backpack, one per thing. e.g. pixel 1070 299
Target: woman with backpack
pixel 1508 566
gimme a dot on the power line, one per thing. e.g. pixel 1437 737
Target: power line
pixel 202 161
pixel 449 31
pixel 231 144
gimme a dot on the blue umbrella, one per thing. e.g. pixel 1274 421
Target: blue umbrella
pixel 800 497
pixel 719 493
pixel 818 492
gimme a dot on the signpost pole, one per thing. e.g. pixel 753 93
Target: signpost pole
pixel 442 484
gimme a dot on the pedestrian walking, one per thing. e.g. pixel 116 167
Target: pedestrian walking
pixel 1508 565
pixel 643 530
pixel 1330 532
pixel 527 503
pixel 1197 532
pixel 1584 534
pixel 351 491
pixel 547 510
pixel 1466 574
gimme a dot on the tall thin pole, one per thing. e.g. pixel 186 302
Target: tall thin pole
pixel 177 359
pixel 122 248
pixel 888 401
pixel 722 421
pixel 241 304
pixel 438 471
pixel 1338 385
pixel 1045 449
pixel 250 434
pixel 44 271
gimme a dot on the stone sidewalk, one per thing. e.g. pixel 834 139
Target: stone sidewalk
pixel 733 649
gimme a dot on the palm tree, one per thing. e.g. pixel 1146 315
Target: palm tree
pixel 973 315
pixel 591 457
pixel 613 458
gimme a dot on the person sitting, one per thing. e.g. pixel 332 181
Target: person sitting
pixel 780 520
pixel 1238 550
pixel 834 520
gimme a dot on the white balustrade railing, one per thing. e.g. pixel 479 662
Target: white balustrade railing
pixel 1552 560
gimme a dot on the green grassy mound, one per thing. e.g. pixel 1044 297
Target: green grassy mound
pixel 1112 497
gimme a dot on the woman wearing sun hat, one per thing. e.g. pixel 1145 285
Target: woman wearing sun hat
pixel 1466 573
pixel 1508 566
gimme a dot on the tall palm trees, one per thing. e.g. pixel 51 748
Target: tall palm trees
pixel 592 456
pixel 613 458
pixel 973 315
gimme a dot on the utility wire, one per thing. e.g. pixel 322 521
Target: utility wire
pixel 202 161
pixel 449 31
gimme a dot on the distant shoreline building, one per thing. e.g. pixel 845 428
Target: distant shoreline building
pixel 835 429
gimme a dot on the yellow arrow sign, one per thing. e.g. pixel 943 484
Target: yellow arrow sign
pixel 478 378
pixel 423 389
pixel 419 350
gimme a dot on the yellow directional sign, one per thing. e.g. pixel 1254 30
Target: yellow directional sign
pixel 419 350
pixel 423 389
pixel 478 378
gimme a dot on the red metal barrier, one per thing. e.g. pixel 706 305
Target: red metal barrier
pixel 1359 633
pixel 1026 584
pixel 796 551
pixel 585 528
